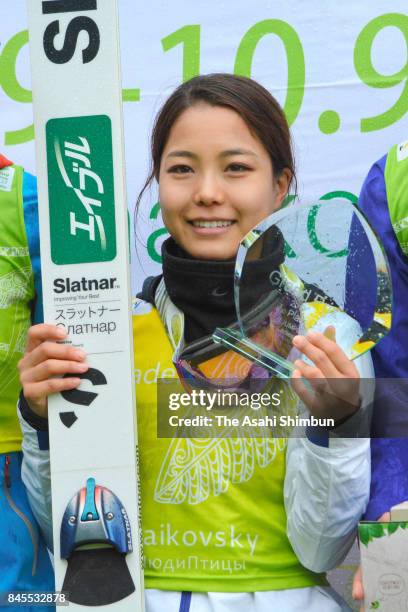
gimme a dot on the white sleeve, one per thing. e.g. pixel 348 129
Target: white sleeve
pixel 35 473
pixel 327 489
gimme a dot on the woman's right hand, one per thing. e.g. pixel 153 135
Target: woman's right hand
pixel 44 361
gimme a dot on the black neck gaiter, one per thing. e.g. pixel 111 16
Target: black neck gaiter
pixel 204 289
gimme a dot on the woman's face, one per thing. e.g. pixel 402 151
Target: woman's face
pixel 216 182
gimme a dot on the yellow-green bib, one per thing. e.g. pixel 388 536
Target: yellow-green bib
pixel 212 510
pixel 16 292
pixel 396 183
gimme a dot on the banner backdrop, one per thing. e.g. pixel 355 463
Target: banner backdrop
pixel 339 69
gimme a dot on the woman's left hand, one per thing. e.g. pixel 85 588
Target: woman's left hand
pixel 333 378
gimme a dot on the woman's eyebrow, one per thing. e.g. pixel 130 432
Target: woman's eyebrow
pixel 230 152
pixel 226 153
pixel 182 154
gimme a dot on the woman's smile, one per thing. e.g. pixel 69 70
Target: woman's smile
pixel 211 227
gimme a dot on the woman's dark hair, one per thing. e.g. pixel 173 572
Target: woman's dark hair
pixel 257 107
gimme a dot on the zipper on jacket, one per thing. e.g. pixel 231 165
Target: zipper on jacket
pixel 20 514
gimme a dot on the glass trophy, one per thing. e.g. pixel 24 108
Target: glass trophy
pixel 308 267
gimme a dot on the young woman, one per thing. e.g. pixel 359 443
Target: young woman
pixel 227 524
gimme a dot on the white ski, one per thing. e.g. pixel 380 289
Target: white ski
pixel 74 51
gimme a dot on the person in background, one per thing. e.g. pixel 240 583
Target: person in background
pixel 384 200
pixel 24 562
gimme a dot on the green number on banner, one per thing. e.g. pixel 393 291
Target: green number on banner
pixel 295 55
pixel 11 86
pixel 151 241
pixel 369 75
pixel 347 195
pixel 311 224
pixel 151 244
pixel 189 37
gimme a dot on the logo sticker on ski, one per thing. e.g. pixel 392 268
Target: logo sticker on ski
pixel 81 190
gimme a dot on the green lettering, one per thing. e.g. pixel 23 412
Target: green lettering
pixel 189 37
pixel 295 55
pixel 11 86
